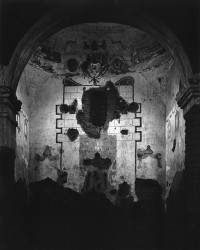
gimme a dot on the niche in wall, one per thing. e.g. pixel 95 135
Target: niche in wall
pixel 91 55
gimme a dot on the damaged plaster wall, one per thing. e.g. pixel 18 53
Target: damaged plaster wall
pixel 128 55
pixel 175 134
pixel 44 151
pixel 119 148
pixel 123 156
pixel 153 121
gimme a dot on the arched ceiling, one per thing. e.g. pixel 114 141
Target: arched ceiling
pixel 93 52
pixel 17 17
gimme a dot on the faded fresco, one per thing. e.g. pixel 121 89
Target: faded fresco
pixel 98 88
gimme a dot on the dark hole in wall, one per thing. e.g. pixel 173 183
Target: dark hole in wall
pixel 72 64
pixel 174 145
pixel 98 108
pixel 124 131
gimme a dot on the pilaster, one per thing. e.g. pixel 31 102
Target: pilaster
pixel 9 106
pixel 189 100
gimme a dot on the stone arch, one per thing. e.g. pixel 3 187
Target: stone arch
pixel 60 19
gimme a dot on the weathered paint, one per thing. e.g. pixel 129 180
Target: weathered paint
pixel 153 88
pixel 43 128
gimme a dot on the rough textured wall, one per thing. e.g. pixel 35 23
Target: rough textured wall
pixel 152 95
pixel 175 133
pixel 174 84
pixel 120 149
pixel 153 111
pixel 43 130
pixel 90 55
pixel 22 132
pixel 175 146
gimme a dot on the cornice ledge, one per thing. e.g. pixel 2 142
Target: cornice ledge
pixel 8 98
pixel 189 96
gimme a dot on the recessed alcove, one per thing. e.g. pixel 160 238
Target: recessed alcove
pixel 124 83
pixel 99 147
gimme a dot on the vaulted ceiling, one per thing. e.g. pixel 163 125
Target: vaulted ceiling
pixel 112 48
pixel 181 16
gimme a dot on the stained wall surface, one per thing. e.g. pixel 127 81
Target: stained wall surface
pixel 122 154
pixel 175 134
pixel 102 53
pixel 112 144
pixel 43 129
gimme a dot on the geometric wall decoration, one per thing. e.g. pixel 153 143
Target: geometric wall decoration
pixel 121 149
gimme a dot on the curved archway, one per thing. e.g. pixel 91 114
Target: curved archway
pixel 64 18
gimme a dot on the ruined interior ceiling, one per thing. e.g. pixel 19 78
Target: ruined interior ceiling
pixel 92 54
pixel 122 49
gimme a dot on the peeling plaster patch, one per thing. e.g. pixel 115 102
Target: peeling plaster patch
pixel 151 88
